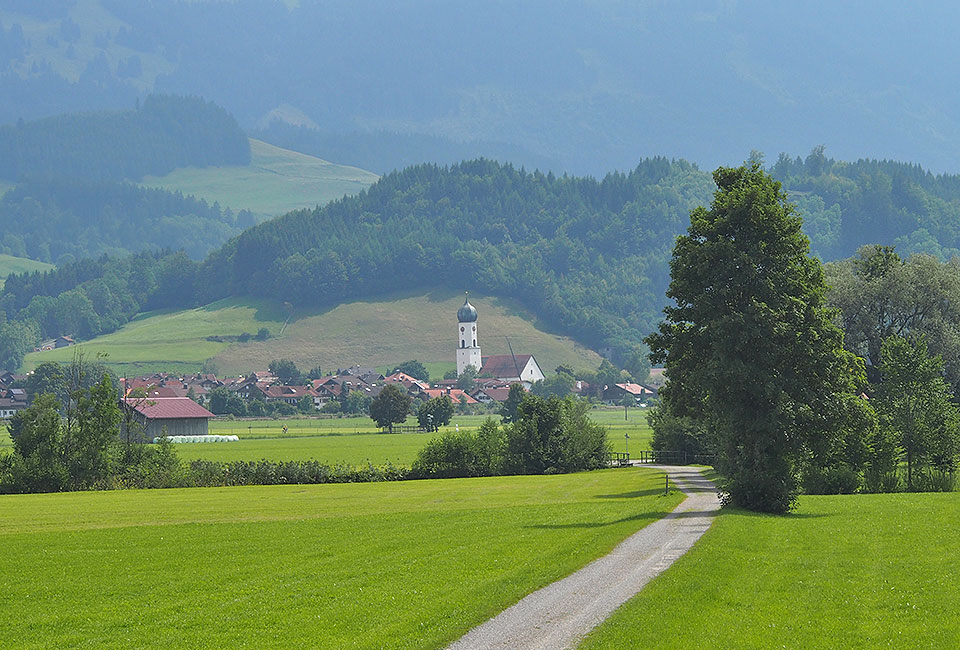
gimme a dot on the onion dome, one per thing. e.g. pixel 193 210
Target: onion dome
pixel 467 313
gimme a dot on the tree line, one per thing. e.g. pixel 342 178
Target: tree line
pixel 761 374
pixel 589 257
pixel 162 133
pixel 59 219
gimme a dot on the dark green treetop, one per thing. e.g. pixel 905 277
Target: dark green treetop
pixel 749 346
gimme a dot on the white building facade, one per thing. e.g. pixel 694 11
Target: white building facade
pixel 468 350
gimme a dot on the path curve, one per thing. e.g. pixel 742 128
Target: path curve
pixel 562 613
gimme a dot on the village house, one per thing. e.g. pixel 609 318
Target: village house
pixel 638 393
pixel 177 416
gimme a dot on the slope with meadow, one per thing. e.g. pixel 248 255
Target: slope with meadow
pixel 374 332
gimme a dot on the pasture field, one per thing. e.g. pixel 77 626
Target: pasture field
pixel 402 565
pixel 846 572
pixel 173 341
pixel 353 441
pixel 275 182
pixel 421 325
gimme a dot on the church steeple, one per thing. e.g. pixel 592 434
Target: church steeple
pixel 468 350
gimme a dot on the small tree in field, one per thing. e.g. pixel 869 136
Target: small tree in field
pixel 751 350
pixel 435 413
pixel 390 407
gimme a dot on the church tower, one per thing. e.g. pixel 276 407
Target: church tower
pixel 468 350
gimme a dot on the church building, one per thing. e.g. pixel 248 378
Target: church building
pixel 507 367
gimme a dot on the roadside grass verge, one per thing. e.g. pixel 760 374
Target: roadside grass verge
pixel 859 571
pixel 403 565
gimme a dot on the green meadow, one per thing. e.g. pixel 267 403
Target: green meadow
pixel 10 264
pixel 275 182
pixel 421 325
pixel 173 341
pixel 402 565
pixel 354 441
pixel 842 572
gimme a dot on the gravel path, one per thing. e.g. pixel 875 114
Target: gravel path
pixel 562 613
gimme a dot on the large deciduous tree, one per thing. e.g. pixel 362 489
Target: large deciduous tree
pixel 915 407
pixel 750 347
pixel 390 407
pixel 879 295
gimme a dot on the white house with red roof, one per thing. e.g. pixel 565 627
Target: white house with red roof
pixel 177 416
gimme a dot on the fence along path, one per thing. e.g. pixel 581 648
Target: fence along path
pixel 562 613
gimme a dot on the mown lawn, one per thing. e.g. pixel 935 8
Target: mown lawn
pixel 861 571
pixel 389 565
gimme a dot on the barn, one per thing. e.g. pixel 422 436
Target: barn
pixel 181 416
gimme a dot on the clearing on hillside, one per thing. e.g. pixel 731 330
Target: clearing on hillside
pixel 411 564
pixel 174 341
pixel 376 332
pixel 10 264
pixel 275 182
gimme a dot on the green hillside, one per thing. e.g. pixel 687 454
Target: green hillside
pixel 275 182
pixel 10 264
pixel 371 332
pixel 175 341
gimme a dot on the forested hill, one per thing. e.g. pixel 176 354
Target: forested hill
pixel 161 134
pixel 848 204
pixel 54 220
pixel 588 256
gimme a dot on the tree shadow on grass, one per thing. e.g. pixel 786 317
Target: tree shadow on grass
pixel 631 495
pixel 643 516
pixel 734 510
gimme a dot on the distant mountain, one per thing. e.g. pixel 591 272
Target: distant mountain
pixel 582 86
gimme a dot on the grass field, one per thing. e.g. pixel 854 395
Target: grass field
pixel 353 441
pixel 399 565
pixel 275 182
pixel 10 264
pixel 175 341
pixel 398 327
pixel 843 572
pixel 420 326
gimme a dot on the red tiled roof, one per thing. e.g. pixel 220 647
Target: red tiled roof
pixel 279 392
pixel 635 389
pixel 497 394
pixel 502 365
pixel 168 408
pixel 454 394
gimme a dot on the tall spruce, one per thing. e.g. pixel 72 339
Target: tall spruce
pixel 750 348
